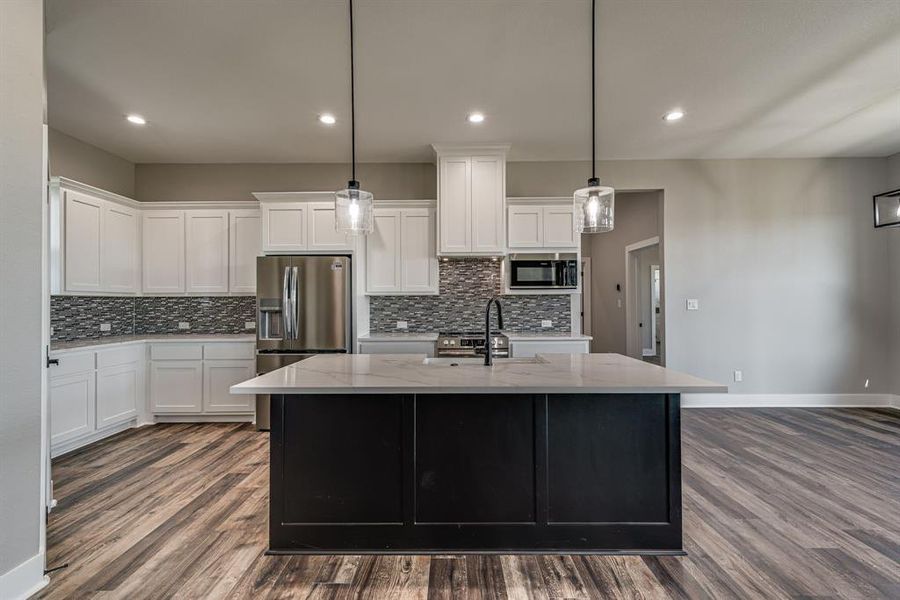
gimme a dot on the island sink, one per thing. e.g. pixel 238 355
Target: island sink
pixel 560 453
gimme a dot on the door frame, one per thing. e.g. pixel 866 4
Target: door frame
pixel 633 345
pixel 586 280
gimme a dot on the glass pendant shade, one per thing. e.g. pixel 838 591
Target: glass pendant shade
pixel 595 208
pixel 354 210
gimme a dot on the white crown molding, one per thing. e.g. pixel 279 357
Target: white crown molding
pixel 70 184
pixel 789 400
pixel 293 196
pixel 200 205
pixel 468 149
pixel 405 203
pixel 532 200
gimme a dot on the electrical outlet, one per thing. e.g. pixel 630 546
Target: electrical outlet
pixel 619 302
pixel 693 304
pixel 184 325
pixel 105 327
pixel 51 332
pixel 402 325
pixel 738 376
pixel 546 323
pixel 249 324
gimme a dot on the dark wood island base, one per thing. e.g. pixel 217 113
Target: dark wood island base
pixel 473 473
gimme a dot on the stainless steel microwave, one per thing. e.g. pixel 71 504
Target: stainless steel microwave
pixel 543 271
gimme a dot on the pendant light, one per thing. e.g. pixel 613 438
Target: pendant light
pixel 595 204
pixel 354 213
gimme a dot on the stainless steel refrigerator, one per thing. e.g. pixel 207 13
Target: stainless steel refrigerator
pixel 303 309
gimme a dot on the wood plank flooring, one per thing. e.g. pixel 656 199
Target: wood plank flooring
pixel 779 503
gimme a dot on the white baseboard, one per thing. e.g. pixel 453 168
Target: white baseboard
pixel 648 352
pixel 239 418
pixel 789 400
pixel 59 449
pixel 24 580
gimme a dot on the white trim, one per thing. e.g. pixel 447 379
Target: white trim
pixel 200 205
pixel 94 436
pixel 190 418
pixel 789 400
pixel 539 200
pixel 642 244
pixel 409 203
pixel 633 343
pixel 24 580
pixel 293 196
pixel 648 352
pixel 469 149
pixel 71 184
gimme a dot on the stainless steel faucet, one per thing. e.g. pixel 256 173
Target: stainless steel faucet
pixel 488 342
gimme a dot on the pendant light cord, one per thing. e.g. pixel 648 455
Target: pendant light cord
pixel 352 103
pixel 593 91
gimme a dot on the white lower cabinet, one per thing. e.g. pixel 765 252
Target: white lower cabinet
pixel 72 401
pixel 218 377
pixel 176 386
pixel 119 390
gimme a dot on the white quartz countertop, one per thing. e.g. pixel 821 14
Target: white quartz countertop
pixel 398 336
pixel 409 373
pixel 121 340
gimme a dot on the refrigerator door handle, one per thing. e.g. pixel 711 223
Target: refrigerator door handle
pixel 285 302
pixel 295 299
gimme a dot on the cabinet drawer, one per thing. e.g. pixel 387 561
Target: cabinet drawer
pixel 77 362
pixel 229 351
pixel 114 357
pixel 176 351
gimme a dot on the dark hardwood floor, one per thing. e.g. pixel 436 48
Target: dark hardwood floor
pixel 779 503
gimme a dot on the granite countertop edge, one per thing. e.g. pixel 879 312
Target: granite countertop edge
pixel 396 336
pixel 122 340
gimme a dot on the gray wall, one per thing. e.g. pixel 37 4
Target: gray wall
pixel 21 177
pixel 636 220
pixel 72 158
pixel 396 181
pixel 781 254
pixel 893 236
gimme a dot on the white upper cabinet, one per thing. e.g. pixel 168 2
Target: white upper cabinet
pixel 383 253
pixel 94 241
pixel 548 226
pixel 120 265
pixel 206 251
pixel 418 260
pixel 300 222
pixel 83 227
pixel 163 252
pixel 472 200
pixel 244 246
pixel 400 252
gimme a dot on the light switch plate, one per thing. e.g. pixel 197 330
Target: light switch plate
pixel 738 376
pixel 249 324
pixel 546 323
pixel 184 325
pixel 402 325
pixel 105 327
pixel 693 304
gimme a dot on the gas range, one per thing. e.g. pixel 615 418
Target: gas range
pixel 471 343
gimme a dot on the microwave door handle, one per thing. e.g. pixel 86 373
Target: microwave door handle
pixel 285 302
pixel 295 300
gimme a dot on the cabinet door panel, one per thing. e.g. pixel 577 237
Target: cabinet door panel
pixel 163 251
pixel 176 386
pixel 455 204
pixel 284 227
pixel 487 204
pixel 118 391
pixel 322 232
pixel 71 406
pixel 206 239
pixel 120 265
pixel 526 227
pixel 418 261
pixel 244 246
pixel 218 377
pixel 559 227
pixel 383 253
pixel 84 218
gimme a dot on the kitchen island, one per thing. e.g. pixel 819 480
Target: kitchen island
pixel 403 454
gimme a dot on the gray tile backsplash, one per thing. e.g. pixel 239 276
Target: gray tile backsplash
pixel 79 317
pixel 465 287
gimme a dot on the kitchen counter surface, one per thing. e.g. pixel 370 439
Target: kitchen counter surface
pixel 398 336
pixel 409 373
pixel 120 340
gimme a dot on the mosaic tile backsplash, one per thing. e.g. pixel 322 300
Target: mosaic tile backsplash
pixel 465 287
pixel 79 317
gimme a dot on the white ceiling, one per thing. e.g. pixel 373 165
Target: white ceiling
pixel 243 81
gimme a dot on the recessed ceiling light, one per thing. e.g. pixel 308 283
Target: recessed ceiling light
pixel 327 119
pixel 136 119
pixel 673 115
pixel 475 117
